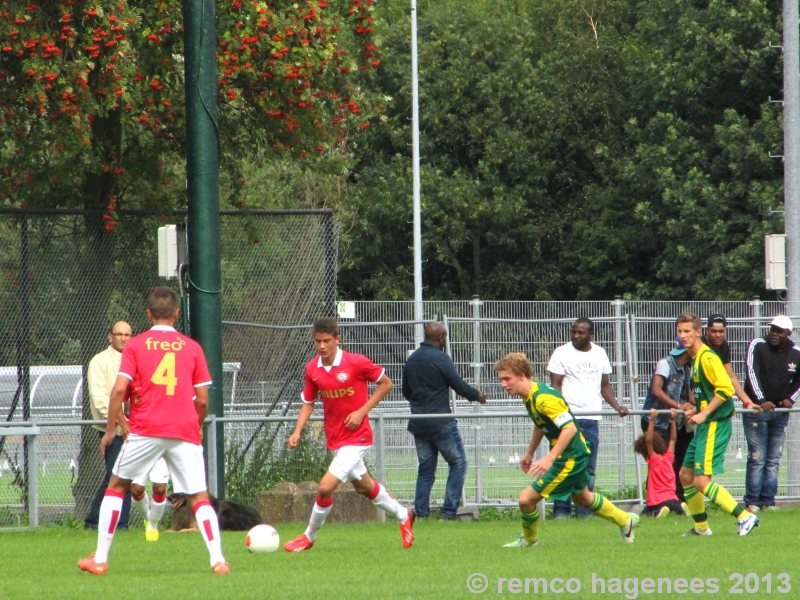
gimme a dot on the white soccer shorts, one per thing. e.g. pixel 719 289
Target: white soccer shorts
pixel 158 474
pixel 184 460
pixel 348 463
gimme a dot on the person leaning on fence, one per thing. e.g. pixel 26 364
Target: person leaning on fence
pixel 660 456
pixel 340 379
pixel 563 472
pixel 579 370
pixel 100 377
pixel 773 381
pixel 705 456
pixel 670 389
pixel 716 338
pixel 428 376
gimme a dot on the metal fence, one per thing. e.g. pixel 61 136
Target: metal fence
pixel 65 279
pixel 260 409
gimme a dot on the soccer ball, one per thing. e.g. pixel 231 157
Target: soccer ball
pixel 262 538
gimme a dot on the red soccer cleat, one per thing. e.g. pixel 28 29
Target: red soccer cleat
pixel 89 565
pixel 220 568
pixel 406 535
pixel 298 544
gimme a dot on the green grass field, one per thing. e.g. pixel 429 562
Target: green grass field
pixel 367 561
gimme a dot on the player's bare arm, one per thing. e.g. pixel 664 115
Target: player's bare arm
pixel 201 405
pixel 302 418
pixel 701 417
pixel 118 394
pixel 536 438
pixel 382 387
pixel 541 466
pixel 739 390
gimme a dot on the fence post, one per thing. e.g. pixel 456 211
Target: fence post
pixel 477 365
pixel 619 368
pixel 33 478
pixel 379 440
pixel 632 349
pixel 212 462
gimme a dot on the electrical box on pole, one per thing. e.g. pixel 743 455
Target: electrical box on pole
pixel 775 261
pixel 171 250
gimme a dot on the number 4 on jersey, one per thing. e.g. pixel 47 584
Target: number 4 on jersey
pixel 165 373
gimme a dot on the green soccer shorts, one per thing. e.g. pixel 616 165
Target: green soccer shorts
pixel 706 452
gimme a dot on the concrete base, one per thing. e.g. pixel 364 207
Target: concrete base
pixel 288 502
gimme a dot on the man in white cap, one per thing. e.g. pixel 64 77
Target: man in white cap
pixel 773 381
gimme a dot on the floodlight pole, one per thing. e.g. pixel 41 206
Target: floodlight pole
pixel 418 307
pixel 202 186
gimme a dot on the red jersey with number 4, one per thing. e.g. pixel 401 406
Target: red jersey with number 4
pixel 166 366
pixel 343 389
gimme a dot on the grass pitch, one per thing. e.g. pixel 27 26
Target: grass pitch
pixel 575 558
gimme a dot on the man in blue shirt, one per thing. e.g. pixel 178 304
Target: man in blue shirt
pixel 428 376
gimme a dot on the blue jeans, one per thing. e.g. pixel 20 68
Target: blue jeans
pixel 110 458
pixel 765 433
pixel 591 432
pixel 447 441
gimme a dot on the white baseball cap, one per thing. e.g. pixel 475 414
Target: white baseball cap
pixel 782 321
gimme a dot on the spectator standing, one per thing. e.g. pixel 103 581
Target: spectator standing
pixel 716 338
pixel 580 370
pixel 100 377
pixel 428 376
pixel 773 381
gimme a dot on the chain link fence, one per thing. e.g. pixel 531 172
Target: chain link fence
pixel 65 280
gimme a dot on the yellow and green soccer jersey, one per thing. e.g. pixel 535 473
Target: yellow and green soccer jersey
pixel 709 379
pixel 550 412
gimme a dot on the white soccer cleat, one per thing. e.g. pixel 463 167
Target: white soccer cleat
pixel 627 531
pixel 747 525
pixel 520 542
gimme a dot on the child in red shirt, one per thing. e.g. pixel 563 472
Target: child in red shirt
pixel 661 497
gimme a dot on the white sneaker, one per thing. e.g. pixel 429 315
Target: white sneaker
pixel 747 525
pixel 627 531
pixel 753 508
pixel 520 542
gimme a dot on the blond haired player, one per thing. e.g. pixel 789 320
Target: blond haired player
pixel 562 474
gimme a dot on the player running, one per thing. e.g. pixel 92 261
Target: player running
pixel 166 419
pixel 563 472
pixel 340 379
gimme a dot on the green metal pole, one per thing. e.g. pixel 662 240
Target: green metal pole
pixel 202 179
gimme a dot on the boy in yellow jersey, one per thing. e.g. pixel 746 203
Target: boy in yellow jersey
pixel 705 456
pixel 562 473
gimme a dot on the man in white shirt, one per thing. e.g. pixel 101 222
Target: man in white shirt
pixel 580 370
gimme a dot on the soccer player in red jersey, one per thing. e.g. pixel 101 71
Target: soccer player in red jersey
pixel 340 379
pixel 166 419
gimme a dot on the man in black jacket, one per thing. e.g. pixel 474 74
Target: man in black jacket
pixel 773 381
pixel 428 376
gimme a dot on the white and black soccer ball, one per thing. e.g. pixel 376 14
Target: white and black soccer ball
pixel 262 538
